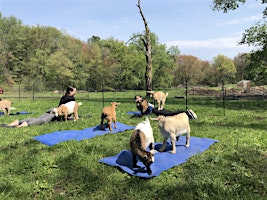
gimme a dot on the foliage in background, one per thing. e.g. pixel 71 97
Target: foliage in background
pixel 256 66
pixel 48 58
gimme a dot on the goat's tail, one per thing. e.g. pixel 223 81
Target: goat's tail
pixel 80 103
pixel 167 94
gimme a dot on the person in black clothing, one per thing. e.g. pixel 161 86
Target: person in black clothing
pixel 147 108
pixel 49 115
pixel 69 95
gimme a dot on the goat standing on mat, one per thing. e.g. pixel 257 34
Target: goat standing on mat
pixel 159 97
pixel 141 138
pixel 109 113
pixel 173 127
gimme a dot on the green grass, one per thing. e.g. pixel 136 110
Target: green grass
pixel 233 168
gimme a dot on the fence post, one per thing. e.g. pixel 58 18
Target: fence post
pixel 186 101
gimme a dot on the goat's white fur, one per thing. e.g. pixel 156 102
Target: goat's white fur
pixel 67 109
pixel 146 128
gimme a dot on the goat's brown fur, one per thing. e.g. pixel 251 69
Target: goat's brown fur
pixel 138 148
pixel 109 113
pixel 63 110
pixel 5 106
pixel 159 97
pixel 142 106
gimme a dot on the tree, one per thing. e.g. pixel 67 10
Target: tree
pixel 10 48
pixel 240 65
pixel 147 43
pixel 256 69
pixel 189 69
pixel 225 69
pixel 256 36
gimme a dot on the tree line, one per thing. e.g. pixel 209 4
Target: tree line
pixel 48 58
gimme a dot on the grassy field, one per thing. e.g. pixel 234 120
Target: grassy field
pixel 233 168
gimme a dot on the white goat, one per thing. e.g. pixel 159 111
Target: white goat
pixel 67 109
pixel 141 138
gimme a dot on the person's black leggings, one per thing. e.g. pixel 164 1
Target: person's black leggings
pixel 171 113
pixel 166 112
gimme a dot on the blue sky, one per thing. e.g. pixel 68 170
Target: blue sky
pixel 189 24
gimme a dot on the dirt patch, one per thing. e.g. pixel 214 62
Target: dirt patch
pixel 231 93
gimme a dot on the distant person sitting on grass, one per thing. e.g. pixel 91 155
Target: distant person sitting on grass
pixel 147 108
pixel 49 115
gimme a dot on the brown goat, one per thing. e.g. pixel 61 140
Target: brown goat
pixel 5 106
pixel 109 113
pixel 159 97
pixel 138 144
pixel 142 106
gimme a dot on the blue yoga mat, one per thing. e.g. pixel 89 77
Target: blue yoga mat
pixel 163 160
pixel 54 138
pixel 17 113
pixel 134 113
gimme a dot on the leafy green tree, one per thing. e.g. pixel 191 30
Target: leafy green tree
pixel 225 69
pixel 208 72
pixel 256 36
pixel 163 66
pixel 240 62
pixel 256 69
pixel 59 69
pixel 11 49
pixel 174 52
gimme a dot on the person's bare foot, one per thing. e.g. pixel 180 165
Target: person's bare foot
pixel 14 123
pixel 22 124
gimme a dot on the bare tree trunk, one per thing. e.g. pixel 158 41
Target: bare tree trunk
pixel 147 44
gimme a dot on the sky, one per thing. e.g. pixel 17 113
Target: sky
pixel 191 25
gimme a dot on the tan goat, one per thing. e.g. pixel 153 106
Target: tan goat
pixel 159 97
pixel 172 127
pixel 68 109
pixel 109 113
pixel 5 106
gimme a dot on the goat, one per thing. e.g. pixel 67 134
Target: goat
pixel 159 97
pixel 67 109
pixel 172 127
pixel 109 113
pixel 141 138
pixel 5 106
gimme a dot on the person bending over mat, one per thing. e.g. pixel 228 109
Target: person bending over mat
pixel 147 108
pixel 49 115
